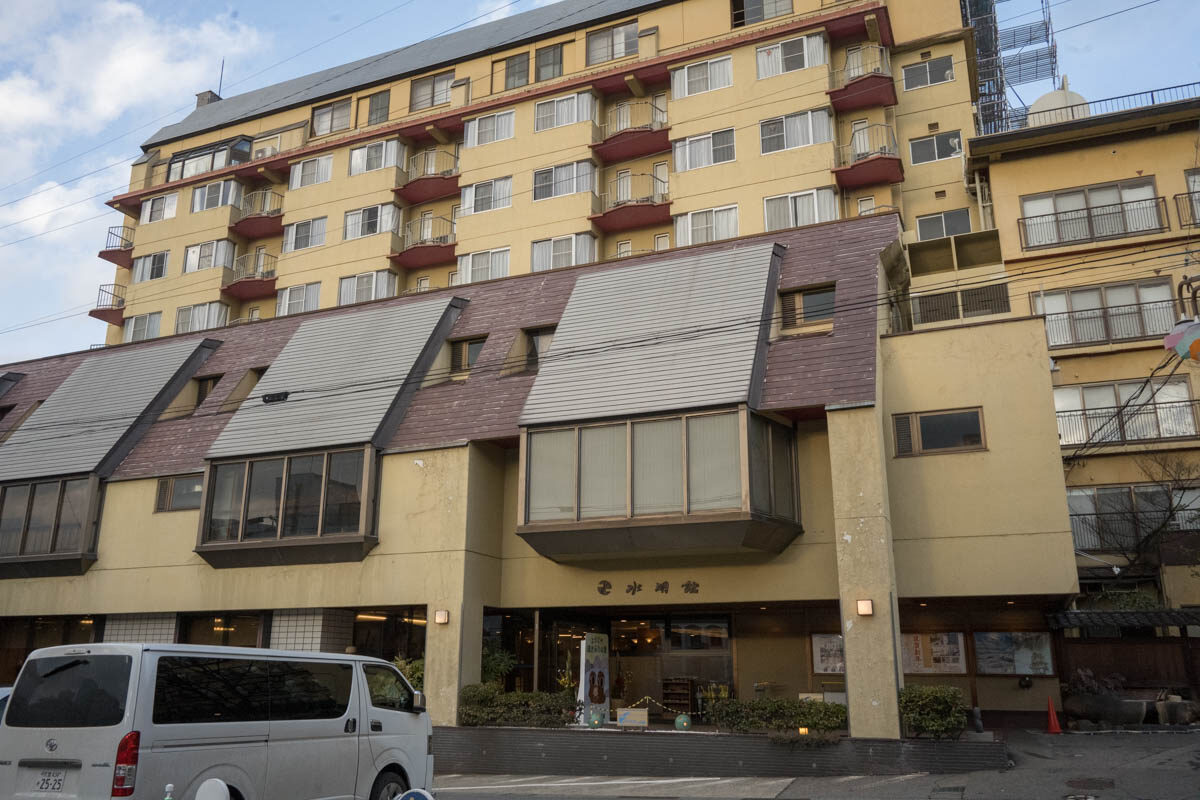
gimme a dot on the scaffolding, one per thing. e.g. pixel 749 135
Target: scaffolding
pixel 1008 57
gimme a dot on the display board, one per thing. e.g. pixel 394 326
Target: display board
pixel 829 653
pixel 1013 653
pixel 933 653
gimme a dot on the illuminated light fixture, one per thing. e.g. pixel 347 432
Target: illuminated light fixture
pixel 441 616
pixel 86 621
pixel 866 608
pixel 923 605
pixel 223 629
pixel 762 608
pixel 370 618
pixel 802 731
pixel 1012 602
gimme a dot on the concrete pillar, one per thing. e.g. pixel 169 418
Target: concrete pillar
pixel 866 570
pixel 452 648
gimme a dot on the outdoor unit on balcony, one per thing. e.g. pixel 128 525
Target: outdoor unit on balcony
pixel 265 152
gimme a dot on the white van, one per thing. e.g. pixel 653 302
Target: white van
pixel 124 720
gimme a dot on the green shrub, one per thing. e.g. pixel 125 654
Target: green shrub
pixel 414 670
pixel 495 664
pixel 486 704
pixel 777 714
pixel 938 711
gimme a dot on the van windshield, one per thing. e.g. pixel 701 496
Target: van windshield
pixel 85 691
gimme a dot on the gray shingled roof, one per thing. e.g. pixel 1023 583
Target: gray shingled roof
pixel 1152 618
pixel 343 374
pixel 409 60
pixel 685 333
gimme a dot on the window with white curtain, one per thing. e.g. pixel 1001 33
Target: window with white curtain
pixel 1104 211
pixel 705 150
pixel 209 254
pixel 300 235
pixel 563 179
pixel 795 130
pixel 750 12
pixel 143 326
pixel 331 117
pixel 311 171
pixel 563 251
pixel 709 225
pixel 488 129
pixel 482 266
pixel 149 268
pixel 611 43
pixel 159 208
pixel 1124 411
pixel 662 241
pixel 431 91
pixel 366 286
pixel 376 155
pixel 793 54
pixel 1114 312
pixel 221 193
pixel 370 221
pixel 297 299
pixel 201 316
pixel 486 196
pixel 561 111
pixel 800 208
pixel 705 76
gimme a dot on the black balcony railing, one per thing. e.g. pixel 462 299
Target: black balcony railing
pixel 120 237
pixel 111 295
pixel 1137 422
pixel 1187 205
pixel 1116 221
pixel 1112 324
pixel 1023 117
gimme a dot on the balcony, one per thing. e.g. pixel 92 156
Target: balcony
pixel 258 215
pixel 252 277
pixel 1187 205
pixel 864 82
pixel 119 247
pixel 871 158
pixel 110 304
pixel 1095 224
pixel 633 130
pixel 1132 424
pixel 432 175
pixel 633 201
pixel 1113 324
pixel 426 242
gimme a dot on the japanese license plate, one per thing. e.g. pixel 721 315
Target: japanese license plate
pixel 49 780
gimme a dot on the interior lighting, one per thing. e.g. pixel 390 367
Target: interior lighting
pixel 370 618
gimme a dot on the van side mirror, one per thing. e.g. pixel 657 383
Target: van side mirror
pixel 418 703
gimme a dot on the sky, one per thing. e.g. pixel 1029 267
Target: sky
pixel 84 82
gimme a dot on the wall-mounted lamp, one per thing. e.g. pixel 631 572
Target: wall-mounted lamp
pixel 441 616
pixel 866 608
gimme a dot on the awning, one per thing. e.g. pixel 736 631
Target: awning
pixel 1177 617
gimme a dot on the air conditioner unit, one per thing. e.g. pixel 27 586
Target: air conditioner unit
pixel 265 152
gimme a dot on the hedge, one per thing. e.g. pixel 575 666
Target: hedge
pixel 935 710
pixel 777 714
pixel 483 705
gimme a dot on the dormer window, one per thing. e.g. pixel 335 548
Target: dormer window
pixel 463 355
pixel 208 158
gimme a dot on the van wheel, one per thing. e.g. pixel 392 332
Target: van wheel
pixel 388 786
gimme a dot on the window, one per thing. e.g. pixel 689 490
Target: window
pixel 703 77
pixel 1126 411
pixel 563 179
pixel 149 268
pixel 208 255
pixel 423 284
pixel 935 148
pixel 159 208
pixel 945 223
pixel 1115 312
pixel 749 12
pixel 221 193
pixel 1104 211
pixel 377 107
pixel 208 158
pixel 312 494
pixel 46 517
pixel 563 251
pixel 563 111
pixel 537 344
pixel 866 205
pixel 296 299
pixel 699 227
pixel 377 155
pixel 772 468
pixel 486 196
pixel 299 235
pixel 201 317
pixel 464 353
pixel 927 432
pixel 143 326
pixel 703 151
pixel 370 220
pixel 984 300
pixel 1118 517
pixel 482 266
pixel 802 208
pixel 938 307
pixel 806 305
pixel 793 54
pixel 611 43
pixel 927 73
pixel 180 493
pixel 68 691
pixel 516 71
pixel 795 130
pixel 387 689
pixel 549 62
pixel 431 91
pixel 366 286
pixel 625 248
pixel 331 117
pixel 310 171
pixel 488 129
pixel 662 241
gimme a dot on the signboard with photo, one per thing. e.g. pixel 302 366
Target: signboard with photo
pixel 925 653
pixel 593 683
pixel 829 653
pixel 1013 653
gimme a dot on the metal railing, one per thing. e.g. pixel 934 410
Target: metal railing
pixel 120 237
pixel 1024 117
pixel 1111 324
pixel 429 231
pixel 1139 422
pixel 111 295
pixel 1187 205
pixel 868 142
pixel 634 189
pixel 644 115
pixel 867 60
pixel 260 203
pixel 1114 221
pixel 1121 530
pixel 432 164
pixel 252 265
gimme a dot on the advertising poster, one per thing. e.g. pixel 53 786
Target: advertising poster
pixel 829 653
pixel 1003 653
pixel 593 678
pixel 928 653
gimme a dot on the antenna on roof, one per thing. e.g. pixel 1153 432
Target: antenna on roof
pixel 221 80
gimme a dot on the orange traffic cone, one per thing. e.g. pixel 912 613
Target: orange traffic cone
pixel 1052 725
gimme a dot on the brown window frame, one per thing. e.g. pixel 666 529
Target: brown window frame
pixel 165 491
pixel 347 102
pixel 914 418
pixel 87 534
pixel 558 62
pixel 791 307
pixel 512 75
pixel 460 364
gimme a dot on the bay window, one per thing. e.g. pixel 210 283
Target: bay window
pixel 208 158
pixel 45 517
